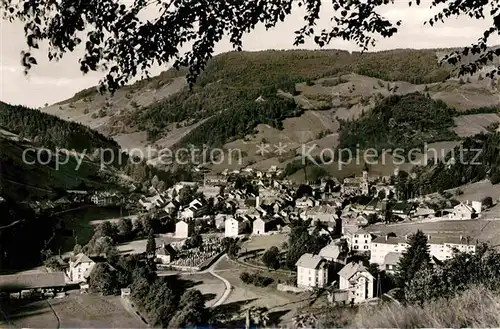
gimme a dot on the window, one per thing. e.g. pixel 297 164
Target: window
pixel 355 241
pixel 365 247
pixel 355 235
pixel 356 247
pixel 366 241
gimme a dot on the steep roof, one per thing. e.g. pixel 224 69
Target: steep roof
pixel 82 258
pixel 331 251
pixel 348 271
pixel 309 261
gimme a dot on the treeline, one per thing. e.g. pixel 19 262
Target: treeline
pixel 404 122
pixel 229 86
pixel 51 131
pixel 476 159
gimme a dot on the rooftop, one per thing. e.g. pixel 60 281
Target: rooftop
pixel 16 282
pixel 309 261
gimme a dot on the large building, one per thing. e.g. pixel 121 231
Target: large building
pixel 441 248
pixel 359 240
pixel 79 270
pixel 312 271
pixel 357 281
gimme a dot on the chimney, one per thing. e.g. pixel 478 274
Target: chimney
pixel 406 237
pixel 461 238
pixel 428 237
pixel 387 237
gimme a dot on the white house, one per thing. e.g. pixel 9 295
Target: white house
pixel 170 207
pixel 184 228
pixel 441 248
pixel 359 240
pixel 234 226
pixel 333 253
pixel 263 225
pixel 312 271
pixel 166 253
pixel 356 279
pixel 79 270
pixel 465 211
pixel 391 260
pixel 193 210
pixel 305 202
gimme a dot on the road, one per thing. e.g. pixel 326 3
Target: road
pixel 210 270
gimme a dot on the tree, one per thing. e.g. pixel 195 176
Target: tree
pixel 103 279
pixel 413 259
pixel 203 25
pixel 271 258
pixel 125 226
pixel 487 202
pixel 151 244
pixel 186 195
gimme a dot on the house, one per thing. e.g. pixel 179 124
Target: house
pixel 356 279
pixel 323 214
pixel 103 198
pixel 220 219
pixel 391 260
pixel 305 202
pixel 193 210
pixel 402 209
pixel 79 270
pixel 263 225
pixel 234 226
pixel 440 248
pixel 465 211
pixel 184 228
pixel 333 253
pixel 382 245
pixel 171 207
pixel 166 253
pixel 359 240
pixel 423 212
pixel 215 180
pixel 312 271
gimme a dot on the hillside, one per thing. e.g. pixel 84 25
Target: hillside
pixel 293 97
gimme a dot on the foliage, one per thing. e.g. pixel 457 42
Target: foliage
pixel 301 242
pixel 103 279
pixel 457 274
pixel 167 303
pixel 399 122
pixel 195 241
pixel 477 157
pixel 414 258
pixel 151 244
pixel 256 279
pixel 271 258
pixel 51 131
pixel 487 202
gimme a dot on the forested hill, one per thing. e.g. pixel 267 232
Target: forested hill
pixel 50 131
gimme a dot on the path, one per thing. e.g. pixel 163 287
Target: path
pixel 224 296
pixel 210 270
pixel 57 316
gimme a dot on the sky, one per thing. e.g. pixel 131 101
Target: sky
pixel 50 82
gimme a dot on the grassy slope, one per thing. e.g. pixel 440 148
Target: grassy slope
pixel 231 83
pixel 474 308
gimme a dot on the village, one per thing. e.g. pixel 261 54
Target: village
pixel 235 226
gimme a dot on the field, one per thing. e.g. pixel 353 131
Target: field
pixel 139 246
pixel 211 287
pixel 264 242
pixel 282 306
pixel 473 124
pixel 74 311
pixel 80 222
pixel 482 230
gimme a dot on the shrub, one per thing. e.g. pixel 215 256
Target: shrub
pixel 256 279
